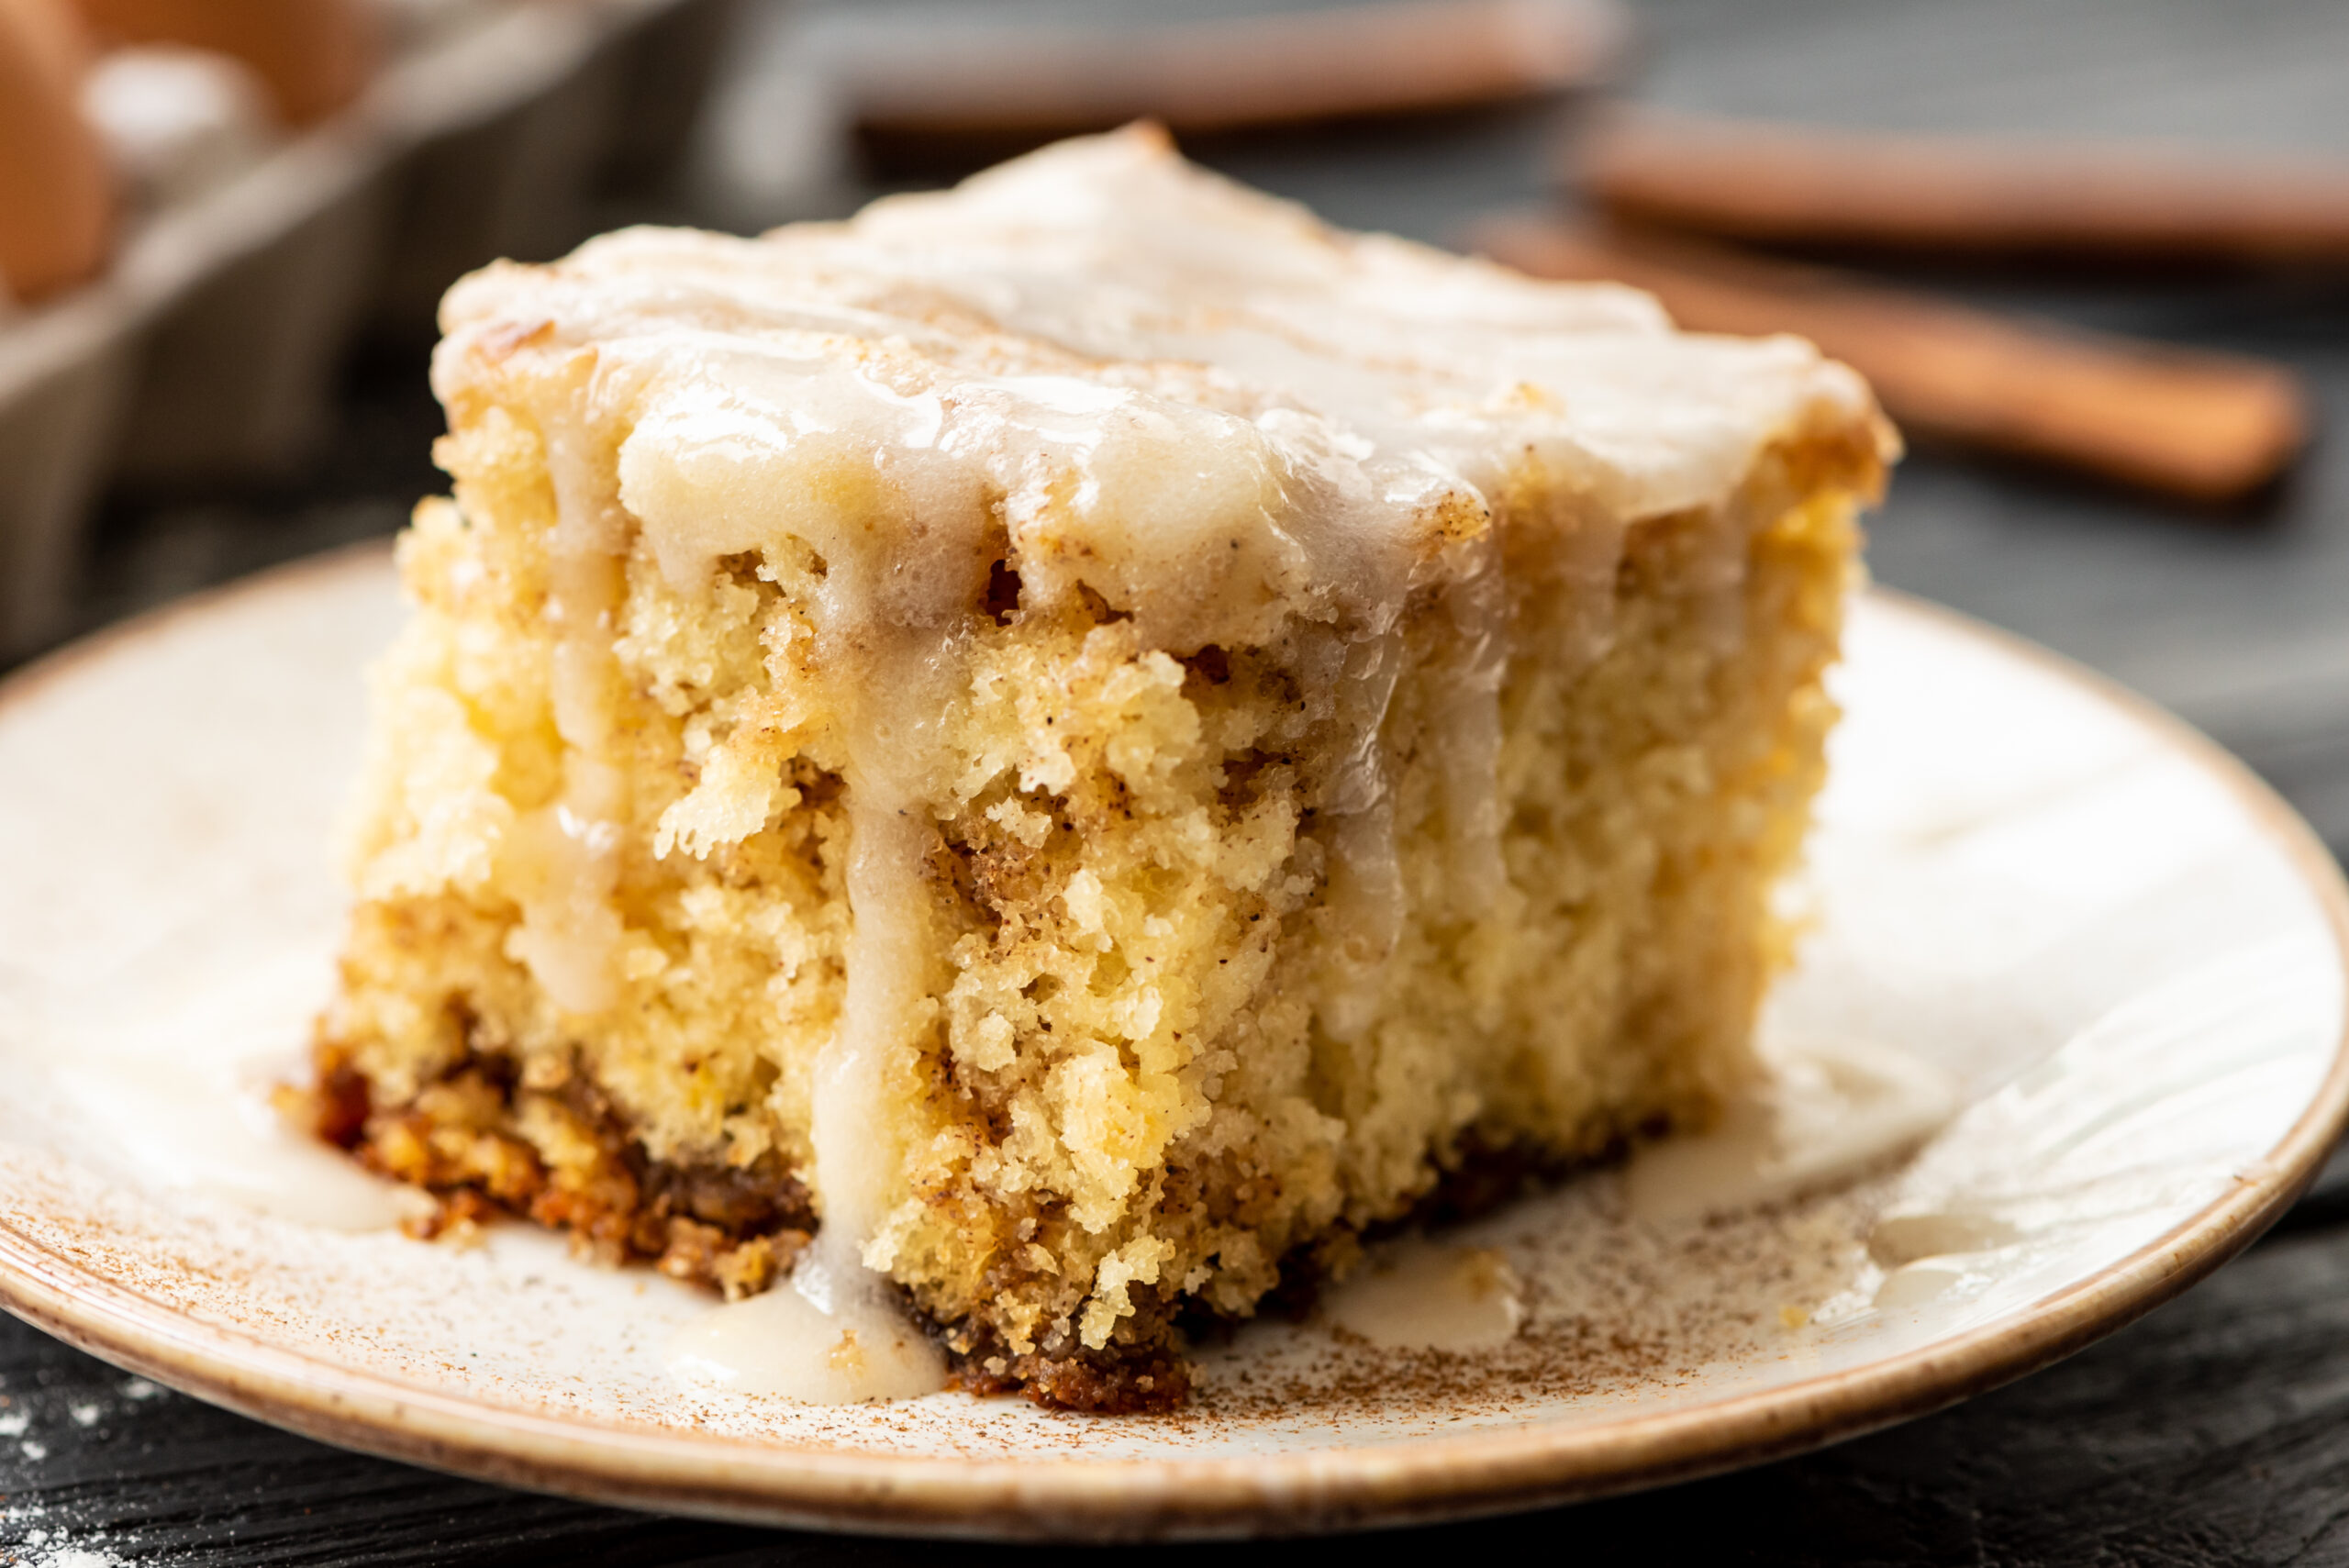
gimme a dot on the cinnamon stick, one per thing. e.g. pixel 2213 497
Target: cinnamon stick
pixel 1017 89
pixel 2198 425
pixel 1971 196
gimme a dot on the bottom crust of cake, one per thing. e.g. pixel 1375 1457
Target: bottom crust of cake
pixel 463 1141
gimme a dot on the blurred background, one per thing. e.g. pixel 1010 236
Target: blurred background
pixel 1948 192
pixel 2094 254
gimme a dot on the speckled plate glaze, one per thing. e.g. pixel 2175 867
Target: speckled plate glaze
pixel 2127 954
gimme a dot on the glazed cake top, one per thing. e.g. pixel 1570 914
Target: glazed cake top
pixel 1198 400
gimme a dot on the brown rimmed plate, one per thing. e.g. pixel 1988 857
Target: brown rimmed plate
pixel 2124 953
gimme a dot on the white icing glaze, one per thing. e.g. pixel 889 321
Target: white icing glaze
pixel 1898 1239
pixel 182 1095
pixel 1829 1110
pixel 889 957
pixel 785 1342
pixel 1926 1280
pixel 1128 377
pixel 1417 1295
pixel 1469 743
pixel 207 1126
pixel 1366 877
pixel 1195 401
pixel 570 936
pixel 1931 1253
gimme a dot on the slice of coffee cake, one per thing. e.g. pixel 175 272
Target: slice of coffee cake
pixel 1082 740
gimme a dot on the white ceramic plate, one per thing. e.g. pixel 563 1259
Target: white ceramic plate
pixel 2124 953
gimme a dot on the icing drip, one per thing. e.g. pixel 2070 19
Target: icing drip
pixel 1829 1109
pixel 1589 554
pixel 890 514
pixel 1717 583
pixel 785 1343
pixel 1364 890
pixel 571 934
pixel 582 584
pixel 1468 733
pixel 194 1116
pixel 1417 1295
pixel 889 956
pixel 179 1087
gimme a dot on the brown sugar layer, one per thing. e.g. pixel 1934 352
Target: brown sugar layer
pixel 738 1231
pixel 558 1154
pixel 1079 741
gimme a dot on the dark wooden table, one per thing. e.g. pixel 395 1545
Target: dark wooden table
pixel 2214 1431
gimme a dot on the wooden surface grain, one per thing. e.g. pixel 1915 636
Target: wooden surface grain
pixel 2216 1431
